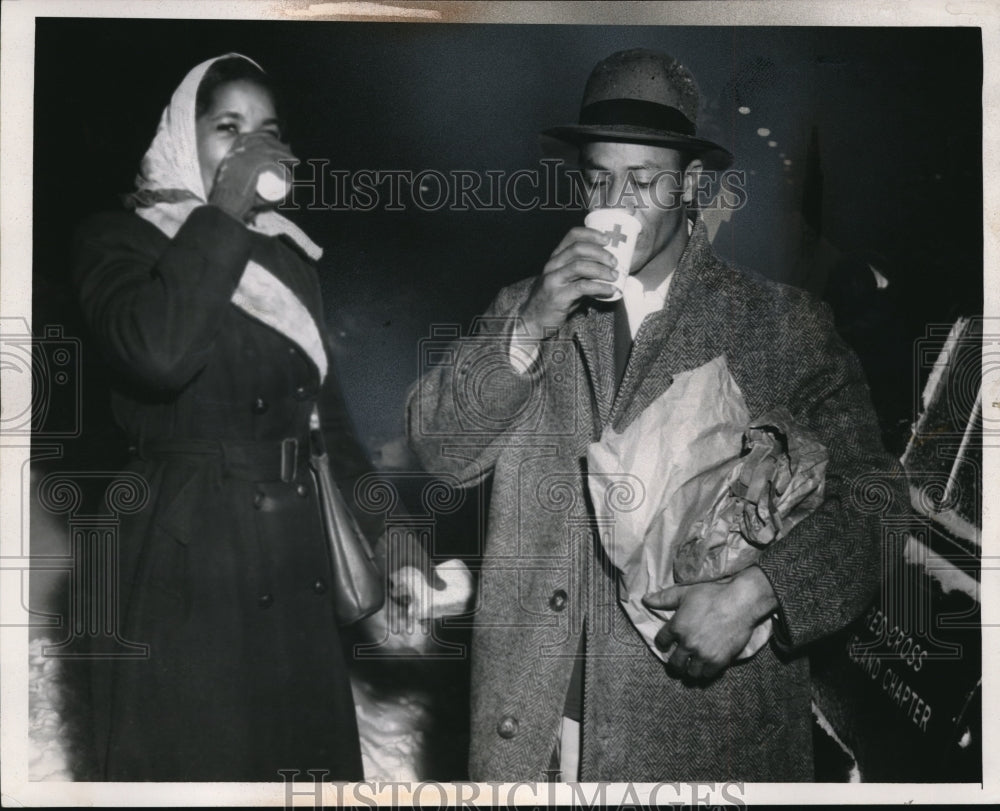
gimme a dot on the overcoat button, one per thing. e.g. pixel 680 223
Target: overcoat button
pixel 557 602
pixel 300 393
pixel 265 600
pixel 301 490
pixel 259 406
pixel 319 587
pixel 507 728
pixel 258 499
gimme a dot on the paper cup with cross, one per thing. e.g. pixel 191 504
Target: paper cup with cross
pixel 623 230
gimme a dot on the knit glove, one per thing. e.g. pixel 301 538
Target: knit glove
pixel 405 551
pixel 235 186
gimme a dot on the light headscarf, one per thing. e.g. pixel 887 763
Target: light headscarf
pixel 169 187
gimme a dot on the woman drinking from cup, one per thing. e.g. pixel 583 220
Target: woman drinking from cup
pixel 206 302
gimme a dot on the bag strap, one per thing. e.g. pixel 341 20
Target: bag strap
pixel 317 445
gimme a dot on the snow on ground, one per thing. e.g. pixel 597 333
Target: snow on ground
pixel 49 756
pixel 411 706
pixel 394 699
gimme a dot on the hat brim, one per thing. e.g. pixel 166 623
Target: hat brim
pixel 565 142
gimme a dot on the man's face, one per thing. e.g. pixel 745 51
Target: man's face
pixel 649 181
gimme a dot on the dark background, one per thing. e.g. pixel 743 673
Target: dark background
pixel 882 128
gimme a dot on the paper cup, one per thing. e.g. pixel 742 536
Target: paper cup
pixel 623 228
pixel 272 185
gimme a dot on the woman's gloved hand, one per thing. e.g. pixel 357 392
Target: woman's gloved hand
pixel 235 186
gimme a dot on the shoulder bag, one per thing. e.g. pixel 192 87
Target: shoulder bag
pixel 358 590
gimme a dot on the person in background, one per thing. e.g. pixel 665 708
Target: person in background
pixel 206 303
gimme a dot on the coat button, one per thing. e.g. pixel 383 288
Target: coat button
pixel 507 728
pixel 259 406
pixel 265 600
pixel 301 393
pixel 319 587
pixel 301 490
pixel 258 499
pixel 557 602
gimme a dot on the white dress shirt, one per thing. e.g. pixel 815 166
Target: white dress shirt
pixel 640 302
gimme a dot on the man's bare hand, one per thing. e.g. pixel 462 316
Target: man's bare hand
pixel 579 267
pixel 713 621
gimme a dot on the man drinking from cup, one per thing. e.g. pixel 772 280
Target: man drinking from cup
pixel 563 686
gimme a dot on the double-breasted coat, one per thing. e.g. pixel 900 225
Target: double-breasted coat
pixel 545 581
pixel 223 573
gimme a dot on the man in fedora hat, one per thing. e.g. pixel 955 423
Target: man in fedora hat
pixel 563 686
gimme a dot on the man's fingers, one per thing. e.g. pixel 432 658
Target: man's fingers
pixel 695 667
pixel 665 638
pixel 668 598
pixel 679 658
pixel 587 287
pixel 583 269
pixel 567 286
pixel 580 252
pixel 578 268
pixel 581 234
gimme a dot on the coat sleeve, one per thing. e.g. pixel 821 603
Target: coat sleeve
pixel 154 304
pixel 826 571
pixel 470 402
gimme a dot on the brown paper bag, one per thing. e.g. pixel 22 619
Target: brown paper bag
pixel 692 490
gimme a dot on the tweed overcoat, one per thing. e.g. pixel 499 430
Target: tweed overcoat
pixel 223 573
pixel 545 580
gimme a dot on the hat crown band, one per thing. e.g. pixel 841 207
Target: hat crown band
pixel 636 113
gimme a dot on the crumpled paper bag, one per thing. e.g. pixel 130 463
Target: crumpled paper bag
pixel 677 479
pixel 779 479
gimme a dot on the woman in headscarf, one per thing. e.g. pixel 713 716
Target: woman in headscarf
pixel 206 302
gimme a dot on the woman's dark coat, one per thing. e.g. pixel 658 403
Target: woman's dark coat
pixel 224 574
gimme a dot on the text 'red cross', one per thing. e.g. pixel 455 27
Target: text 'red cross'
pixel 617 236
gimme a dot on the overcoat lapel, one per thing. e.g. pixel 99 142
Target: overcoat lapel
pixel 594 331
pixel 655 359
pixel 265 297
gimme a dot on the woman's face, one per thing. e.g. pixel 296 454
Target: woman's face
pixel 237 108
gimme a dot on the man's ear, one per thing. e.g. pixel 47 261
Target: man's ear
pixel 691 174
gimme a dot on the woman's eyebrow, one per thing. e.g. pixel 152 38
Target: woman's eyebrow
pixel 270 122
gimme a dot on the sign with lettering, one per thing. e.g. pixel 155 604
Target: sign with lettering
pixel 901 686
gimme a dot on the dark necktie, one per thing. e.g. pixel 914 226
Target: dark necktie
pixel 623 342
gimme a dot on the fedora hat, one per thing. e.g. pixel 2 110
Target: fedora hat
pixel 638 96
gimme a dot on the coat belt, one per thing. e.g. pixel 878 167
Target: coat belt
pixel 273 460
